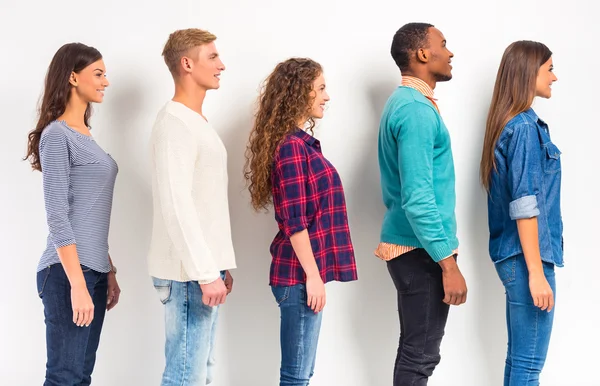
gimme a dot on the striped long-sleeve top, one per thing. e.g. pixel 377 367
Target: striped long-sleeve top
pixel 78 180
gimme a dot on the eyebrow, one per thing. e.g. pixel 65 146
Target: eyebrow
pixel 99 69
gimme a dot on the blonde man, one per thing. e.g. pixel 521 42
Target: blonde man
pixel 191 249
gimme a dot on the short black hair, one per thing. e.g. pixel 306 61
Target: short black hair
pixel 407 40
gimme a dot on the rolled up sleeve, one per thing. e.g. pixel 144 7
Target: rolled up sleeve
pixel 291 166
pixel 524 171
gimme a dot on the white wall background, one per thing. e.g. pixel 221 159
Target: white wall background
pixel 360 328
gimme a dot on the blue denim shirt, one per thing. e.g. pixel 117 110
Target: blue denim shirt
pixel 526 184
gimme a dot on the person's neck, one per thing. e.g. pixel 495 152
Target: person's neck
pixel 191 97
pixel 74 114
pixel 424 76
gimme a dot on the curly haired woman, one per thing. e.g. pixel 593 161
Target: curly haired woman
pixel 285 167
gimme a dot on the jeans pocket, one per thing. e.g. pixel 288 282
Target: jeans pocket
pixel 42 278
pixel 85 269
pixel 402 274
pixel 281 293
pixel 163 288
pixel 507 270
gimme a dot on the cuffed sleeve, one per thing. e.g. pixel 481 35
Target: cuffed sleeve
pixel 524 161
pixel 524 207
pixel 291 167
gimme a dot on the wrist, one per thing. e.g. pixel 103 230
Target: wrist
pixel 448 264
pixel 78 285
pixel 313 276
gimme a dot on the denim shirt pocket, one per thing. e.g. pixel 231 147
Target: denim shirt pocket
pixel 552 158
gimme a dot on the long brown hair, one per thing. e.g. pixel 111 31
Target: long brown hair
pixel 69 58
pixel 514 92
pixel 285 99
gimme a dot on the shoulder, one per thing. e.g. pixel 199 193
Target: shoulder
pixel 520 124
pixel 57 134
pixel 169 124
pixel 55 130
pixel 291 147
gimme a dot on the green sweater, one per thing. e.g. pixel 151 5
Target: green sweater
pixel 417 175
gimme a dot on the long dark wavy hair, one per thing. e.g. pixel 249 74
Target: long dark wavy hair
pixel 285 99
pixel 71 57
pixel 514 92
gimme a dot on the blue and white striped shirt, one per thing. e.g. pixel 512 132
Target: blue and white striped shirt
pixel 79 179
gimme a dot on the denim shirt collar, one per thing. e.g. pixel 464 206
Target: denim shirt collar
pixel 531 114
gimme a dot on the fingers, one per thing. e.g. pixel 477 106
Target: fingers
pixel 455 298
pixel 316 302
pixel 447 298
pixel 323 300
pixel 551 303
pixel 83 316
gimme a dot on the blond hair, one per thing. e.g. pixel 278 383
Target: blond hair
pixel 181 42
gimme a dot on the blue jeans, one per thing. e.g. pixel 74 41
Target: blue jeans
pixel 299 335
pixel 529 327
pixel 71 350
pixel 190 329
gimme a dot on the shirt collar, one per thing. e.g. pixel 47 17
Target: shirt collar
pixel 418 84
pixel 532 114
pixel 309 139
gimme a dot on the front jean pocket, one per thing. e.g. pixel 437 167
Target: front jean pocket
pixel 552 161
pixel 163 288
pixel 42 278
pixel 281 293
pixel 507 270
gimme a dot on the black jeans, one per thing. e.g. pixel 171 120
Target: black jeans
pixel 423 315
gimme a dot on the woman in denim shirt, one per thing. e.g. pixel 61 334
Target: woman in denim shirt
pixel 520 169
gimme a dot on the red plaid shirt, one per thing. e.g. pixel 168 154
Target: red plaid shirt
pixel 308 194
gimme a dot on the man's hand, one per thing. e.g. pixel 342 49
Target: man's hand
pixel 113 291
pixel 455 287
pixel 214 293
pixel 228 282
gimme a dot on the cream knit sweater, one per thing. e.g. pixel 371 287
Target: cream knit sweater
pixel 191 232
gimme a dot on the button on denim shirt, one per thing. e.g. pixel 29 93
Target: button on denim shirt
pixel 526 184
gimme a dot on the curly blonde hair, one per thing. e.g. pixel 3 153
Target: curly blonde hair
pixel 285 99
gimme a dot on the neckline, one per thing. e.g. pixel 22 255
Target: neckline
pixel 190 110
pixel 64 123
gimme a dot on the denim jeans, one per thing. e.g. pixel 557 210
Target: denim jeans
pixel 190 330
pixel 71 350
pixel 299 335
pixel 529 327
pixel 422 313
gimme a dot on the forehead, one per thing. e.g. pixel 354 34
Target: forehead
pixel 97 65
pixel 435 35
pixel 208 49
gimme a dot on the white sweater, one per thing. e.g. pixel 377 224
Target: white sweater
pixel 191 232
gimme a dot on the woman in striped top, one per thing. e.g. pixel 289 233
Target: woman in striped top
pixel 75 276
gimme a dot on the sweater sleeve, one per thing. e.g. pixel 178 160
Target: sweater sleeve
pixel 416 133
pixel 175 152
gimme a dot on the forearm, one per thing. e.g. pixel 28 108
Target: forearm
pixel 70 262
pixel 528 235
pixel 301 244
